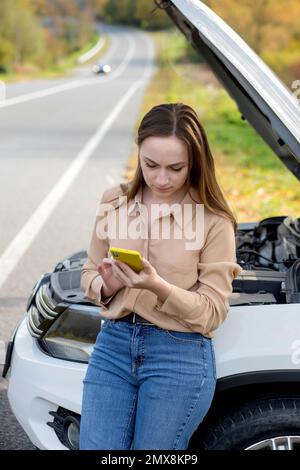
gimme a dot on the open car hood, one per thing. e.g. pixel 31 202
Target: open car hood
pixel 262 98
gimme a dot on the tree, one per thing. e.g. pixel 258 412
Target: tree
pixel 21 37
pixel 264 24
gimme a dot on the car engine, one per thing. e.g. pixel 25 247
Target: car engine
pixel 269 253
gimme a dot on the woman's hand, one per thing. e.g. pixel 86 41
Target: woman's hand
pixel 111 283
pixel 118 275
pixel 145 279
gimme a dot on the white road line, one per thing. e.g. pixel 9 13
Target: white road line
pixel 2 92
pixel 2 352
pixel 115 174
pixel 111 50
pixel 93 51
pixel 16 249
pixel 74 83
pixel 41 93
pixel 110 180
pixel 22 241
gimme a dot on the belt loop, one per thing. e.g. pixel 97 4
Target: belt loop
pixel 133 320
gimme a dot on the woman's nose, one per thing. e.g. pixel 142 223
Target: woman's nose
pixel 162 179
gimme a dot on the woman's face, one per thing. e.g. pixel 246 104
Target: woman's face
pixel 164 162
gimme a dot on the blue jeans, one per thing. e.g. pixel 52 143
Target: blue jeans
pixel 146 387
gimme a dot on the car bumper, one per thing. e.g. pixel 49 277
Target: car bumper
pixel 39 384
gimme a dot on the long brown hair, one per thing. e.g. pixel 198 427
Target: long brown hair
pixel 181 120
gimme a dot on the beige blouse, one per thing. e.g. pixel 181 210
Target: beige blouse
pixel 201 272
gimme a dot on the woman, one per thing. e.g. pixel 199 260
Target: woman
pixel 151 377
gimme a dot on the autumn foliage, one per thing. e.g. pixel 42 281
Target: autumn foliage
pixel 42 31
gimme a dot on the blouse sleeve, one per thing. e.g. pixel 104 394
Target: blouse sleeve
pixel 206 308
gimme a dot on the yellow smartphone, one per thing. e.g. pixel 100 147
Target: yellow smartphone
pixel 131 257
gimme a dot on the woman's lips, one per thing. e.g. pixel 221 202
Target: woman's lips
pixel 162 189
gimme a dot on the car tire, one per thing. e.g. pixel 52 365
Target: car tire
pixel 254 424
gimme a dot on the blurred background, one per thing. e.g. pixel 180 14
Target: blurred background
pixel 36 34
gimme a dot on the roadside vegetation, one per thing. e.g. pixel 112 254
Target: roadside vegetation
pixel 253 179
pixel 44 38
pixel 63 67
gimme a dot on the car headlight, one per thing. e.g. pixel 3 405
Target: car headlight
pixel 95 68
pixel 64 331
pixel 73 334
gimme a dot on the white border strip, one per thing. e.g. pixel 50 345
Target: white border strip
pixel 89 54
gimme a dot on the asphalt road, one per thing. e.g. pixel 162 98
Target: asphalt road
pixel 62 142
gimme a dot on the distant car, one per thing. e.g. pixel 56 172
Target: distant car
pixel 101 68
pixel 257 401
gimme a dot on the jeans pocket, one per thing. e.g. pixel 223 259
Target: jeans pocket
pixel 185 336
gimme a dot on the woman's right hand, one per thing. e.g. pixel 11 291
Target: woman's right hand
pixel 111 283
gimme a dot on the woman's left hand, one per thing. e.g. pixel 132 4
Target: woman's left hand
pixel 145 279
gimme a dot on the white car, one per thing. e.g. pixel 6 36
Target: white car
pixel 257 399
pixel 101 68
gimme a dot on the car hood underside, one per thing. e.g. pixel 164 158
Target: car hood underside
pixel 262 98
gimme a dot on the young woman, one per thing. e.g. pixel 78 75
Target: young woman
pixel 152 374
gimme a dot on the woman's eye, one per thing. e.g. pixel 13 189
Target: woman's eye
pixel 154 166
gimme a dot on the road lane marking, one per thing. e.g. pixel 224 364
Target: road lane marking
pixel 74 83
pixel 26 235
pixel 2 92
pixel 110 180
pixel 22 241
pixel 2 353
pixel 93 51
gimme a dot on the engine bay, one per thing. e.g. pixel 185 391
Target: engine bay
pixel 269 253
